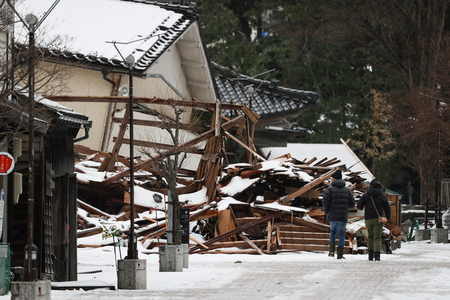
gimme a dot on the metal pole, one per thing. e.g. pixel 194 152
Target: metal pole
pixel 29 274
pixel 438 213
pixel 132 251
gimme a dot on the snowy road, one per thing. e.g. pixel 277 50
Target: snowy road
pixel 416 271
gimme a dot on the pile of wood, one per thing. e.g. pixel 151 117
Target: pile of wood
pixel 276 204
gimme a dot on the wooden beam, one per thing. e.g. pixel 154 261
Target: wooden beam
pixel 201 244
pixel 108 164
pixel 250 114
pixel 200 138
pixel 311 224
pixel 229 252
pixel 311 160
pixel 238 244
pixel 240 229
pixel 92 209
pixel 170 102
pixel 269 235
pixel 158 124
pixel 150 219
pixel 208 214
pixel 147 144
pixel 245 146
pixel 251 244
pixel 89 232
pixel 307 187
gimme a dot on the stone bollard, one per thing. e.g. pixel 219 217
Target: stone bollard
pixel 422 235
pixel 31 290
pixel 132 274
pixel 439 235
pixel 185 256
pixel 171 258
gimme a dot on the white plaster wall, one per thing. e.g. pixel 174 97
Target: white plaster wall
pixel 165 79
pixel 85 82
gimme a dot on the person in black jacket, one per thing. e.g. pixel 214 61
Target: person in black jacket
pixel 337 200
pixel 375 203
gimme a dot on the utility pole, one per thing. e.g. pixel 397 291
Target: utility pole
pixel 30 274
pixel 31 288
pixel 132 251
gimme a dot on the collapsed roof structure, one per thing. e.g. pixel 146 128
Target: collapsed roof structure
pixel 268 207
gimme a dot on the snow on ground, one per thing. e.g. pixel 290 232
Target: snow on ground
pixel 219 271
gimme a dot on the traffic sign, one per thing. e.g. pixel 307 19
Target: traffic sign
pixel 6 163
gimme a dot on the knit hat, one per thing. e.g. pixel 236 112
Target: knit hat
pixel 337 174
pixel 375 183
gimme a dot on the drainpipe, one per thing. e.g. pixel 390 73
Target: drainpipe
pixel 87 127
pixel 105 73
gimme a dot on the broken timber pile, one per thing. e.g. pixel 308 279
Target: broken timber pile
pixel 271 205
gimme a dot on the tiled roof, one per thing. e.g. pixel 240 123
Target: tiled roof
pixel 144 29
pixel 265 98
pixel 54 112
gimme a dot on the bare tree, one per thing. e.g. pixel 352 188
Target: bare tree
pixel 168 164
pixel 421 124
pixel 15 69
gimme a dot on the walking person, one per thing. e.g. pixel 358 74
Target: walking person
pixel 375 204
pixel 337 200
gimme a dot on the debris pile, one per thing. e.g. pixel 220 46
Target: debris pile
pixel 268 207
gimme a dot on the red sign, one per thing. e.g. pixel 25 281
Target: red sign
pixel 6 163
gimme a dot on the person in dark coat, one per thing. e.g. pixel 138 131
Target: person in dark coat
pixel 337 200
pixel 374 229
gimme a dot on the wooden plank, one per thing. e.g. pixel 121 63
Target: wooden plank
pixel 108 164
pixel 251 244
pixel 150 219
pixel 229 252
pixel 201 244
pixel 311 224
pixel 245 146
pixel 92 209
pixel 159 124
pixel 147 144
pixel 250 114
pixel 91 246
pixel 89 232
pixel 181 147
pixel 320 161
pixel 240 229
pixel 238 244
pixel 269 236
pixel 311 160
pixel 170 102
pixel 278 238
pixel 225 224
pixel 306 234
pixel 307 187
pixel 308 194
pixel 241 127
pixel 208 214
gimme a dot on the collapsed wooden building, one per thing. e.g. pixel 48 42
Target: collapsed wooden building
pixel 272 205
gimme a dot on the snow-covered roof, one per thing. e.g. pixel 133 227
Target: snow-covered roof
pixel 87 28
pixel 321 151
pixel 62 115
